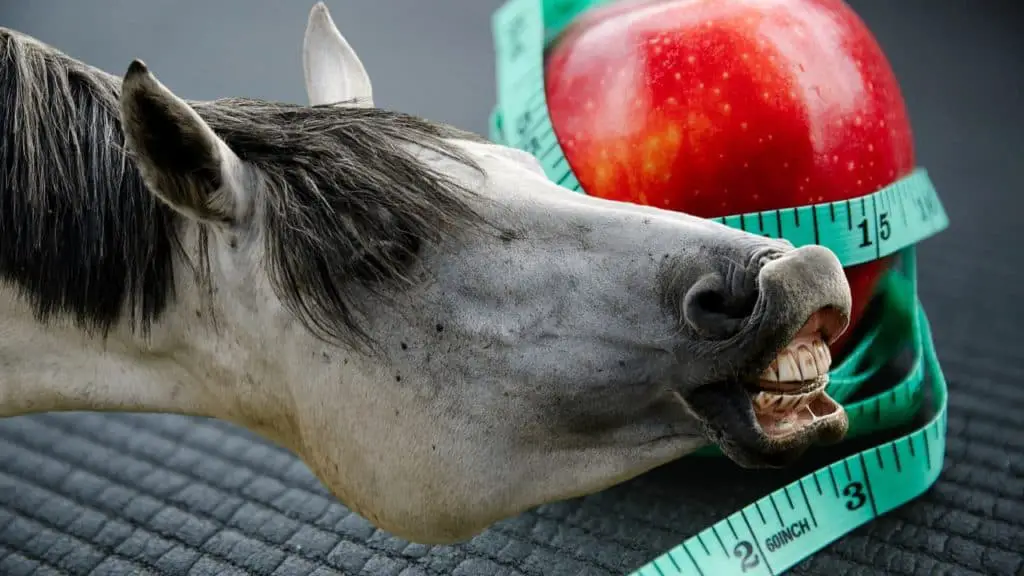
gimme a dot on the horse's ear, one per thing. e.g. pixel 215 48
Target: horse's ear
pixel 334 74
pixel 180 158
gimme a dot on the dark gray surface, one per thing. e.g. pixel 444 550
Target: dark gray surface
pixel 130 494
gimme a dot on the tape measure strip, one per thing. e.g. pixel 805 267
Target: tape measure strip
pixel 858 230
pixel 886 222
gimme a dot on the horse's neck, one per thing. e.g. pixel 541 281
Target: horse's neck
pixel 58 367
pixel 182 366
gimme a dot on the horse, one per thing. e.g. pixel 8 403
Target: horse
pixel 444 336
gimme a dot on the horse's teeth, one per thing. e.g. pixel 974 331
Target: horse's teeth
pixel 803 401
pixel 800 361
pixel 785 403
pixel 767 402
pixel 806 362
pixel 762 401
pixel 789 368
pixel 822 356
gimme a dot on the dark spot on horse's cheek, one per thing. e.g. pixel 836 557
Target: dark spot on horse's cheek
pixel 622 362
pixel 582 234
pixel 582 229
pixel 404 346
pixel 398 378
pixel 440 328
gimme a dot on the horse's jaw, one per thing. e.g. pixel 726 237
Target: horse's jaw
pixel 423 464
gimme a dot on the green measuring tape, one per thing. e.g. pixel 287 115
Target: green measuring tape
pixel 779 530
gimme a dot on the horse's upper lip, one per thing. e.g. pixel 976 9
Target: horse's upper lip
pixel 829 323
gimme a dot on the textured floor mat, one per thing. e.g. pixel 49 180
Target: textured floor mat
pixel 140 494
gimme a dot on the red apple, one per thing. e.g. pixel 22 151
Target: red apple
pixel 716 107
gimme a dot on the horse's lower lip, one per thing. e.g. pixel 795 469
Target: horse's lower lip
pixel 804 387
pixel 751 440
pixel 793 413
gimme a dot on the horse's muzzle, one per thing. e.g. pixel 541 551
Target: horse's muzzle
pixel 770 420
pixel 774 405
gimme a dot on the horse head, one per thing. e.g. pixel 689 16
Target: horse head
pixel 443 335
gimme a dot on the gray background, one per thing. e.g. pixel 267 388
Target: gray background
pixel 957 60
pixel 429 57
pixel 112 494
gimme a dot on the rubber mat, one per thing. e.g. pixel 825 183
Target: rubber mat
pixel 109 494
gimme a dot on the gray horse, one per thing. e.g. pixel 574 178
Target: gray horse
pixel 445 337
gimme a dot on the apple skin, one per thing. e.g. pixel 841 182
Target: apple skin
pixel 717 107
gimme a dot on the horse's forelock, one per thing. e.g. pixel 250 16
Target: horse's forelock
pixel 345 203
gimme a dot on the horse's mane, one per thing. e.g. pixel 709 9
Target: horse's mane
pixel 346 204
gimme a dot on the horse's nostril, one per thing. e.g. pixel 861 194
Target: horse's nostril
pixel 712 302
pixel 715 310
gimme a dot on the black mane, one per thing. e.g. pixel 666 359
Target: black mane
pixel 345 204
pixel 79 233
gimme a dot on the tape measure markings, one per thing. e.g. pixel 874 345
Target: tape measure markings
pixel 860 229
pixel 867 236
pixel 519 29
